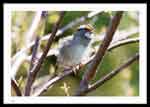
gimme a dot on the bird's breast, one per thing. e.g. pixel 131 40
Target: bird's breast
pixel 72 54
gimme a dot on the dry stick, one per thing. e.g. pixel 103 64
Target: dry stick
pixel 110 75
pixel 89 74
pixel 32 64
pixel 77 21
pixel 34 53
pixel 36 20
pixel 77 68
pixel 123 42
pixel 15 87
pixel 37 67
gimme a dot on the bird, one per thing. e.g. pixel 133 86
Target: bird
pixel 73 50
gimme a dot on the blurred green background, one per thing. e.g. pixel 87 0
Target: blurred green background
pixel 125 83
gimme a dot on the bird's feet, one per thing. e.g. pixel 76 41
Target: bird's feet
pixel 75 69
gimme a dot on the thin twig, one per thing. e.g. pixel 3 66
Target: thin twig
pixel 123 42
pixel 37 67
pixel 69 72
pixel 15 87
pixel 16 64
pixel 34 53
pixel 119 35
pixel 89 74
pixel 31 32
pixel 77 21
pixel 109 76
pixel 32 64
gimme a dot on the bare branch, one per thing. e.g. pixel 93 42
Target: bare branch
pixel 37 67
pixel 16 64
pixel 15 87
pixel 30 33
pixel 32 64
pixel 123 42
pixel 109 75
pixel 34 53
pixel 77 21
pixel 89 74
pixel 119 35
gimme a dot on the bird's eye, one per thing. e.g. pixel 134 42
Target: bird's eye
pixel 79 29
pixel 88 35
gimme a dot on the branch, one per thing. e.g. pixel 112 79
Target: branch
pixel 16 64
pixel 32 64
pixel 77 21
pixel 37 67
pixel 15 87
pixel 34 53
pixel 49 83
pixel 123 42
pixel 89 74
pixel 31 32
pixel 46 85
pixel 110 75
pixel 119 35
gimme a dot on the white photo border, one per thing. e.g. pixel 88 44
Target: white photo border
pixel 142 8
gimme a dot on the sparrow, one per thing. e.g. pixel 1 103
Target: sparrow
pixel 73 50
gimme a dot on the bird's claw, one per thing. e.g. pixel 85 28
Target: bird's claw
pixel 75 68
